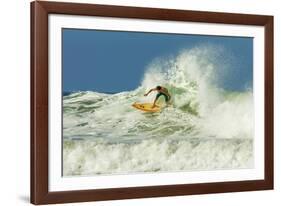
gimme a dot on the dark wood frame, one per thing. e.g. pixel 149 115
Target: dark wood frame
pixel 39 102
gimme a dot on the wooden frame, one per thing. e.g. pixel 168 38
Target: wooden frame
pixel 39 102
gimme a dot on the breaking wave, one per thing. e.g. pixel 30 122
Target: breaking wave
pixel 207 126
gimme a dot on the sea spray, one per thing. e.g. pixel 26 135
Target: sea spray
pixel 90 157
pixel 207 127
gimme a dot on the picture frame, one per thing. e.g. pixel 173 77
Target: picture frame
pixel 40 101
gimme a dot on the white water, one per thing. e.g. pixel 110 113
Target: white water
pixel 206 128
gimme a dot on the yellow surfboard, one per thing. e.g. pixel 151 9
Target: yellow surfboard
pixel 147 107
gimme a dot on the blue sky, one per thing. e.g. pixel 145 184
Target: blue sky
pixel 113 61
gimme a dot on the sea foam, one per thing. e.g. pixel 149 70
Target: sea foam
pixel 207 126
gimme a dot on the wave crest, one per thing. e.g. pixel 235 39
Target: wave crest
pixel 201 107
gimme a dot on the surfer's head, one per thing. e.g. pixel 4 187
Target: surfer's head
pixel 158 87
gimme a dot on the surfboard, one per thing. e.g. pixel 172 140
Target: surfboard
pixel 147 107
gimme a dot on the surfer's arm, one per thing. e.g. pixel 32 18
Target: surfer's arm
pixel 149 92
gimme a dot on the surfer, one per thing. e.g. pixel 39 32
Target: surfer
pixel 161 91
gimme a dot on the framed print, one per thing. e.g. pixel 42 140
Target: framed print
pixel 131 102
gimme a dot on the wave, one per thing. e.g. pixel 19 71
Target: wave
pixel 198 104
pixel 201 109
pixel 88 157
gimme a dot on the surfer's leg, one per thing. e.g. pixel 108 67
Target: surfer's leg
pixel 156 98
pixel 167 100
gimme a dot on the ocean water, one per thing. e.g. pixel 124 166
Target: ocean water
pixel 206 128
